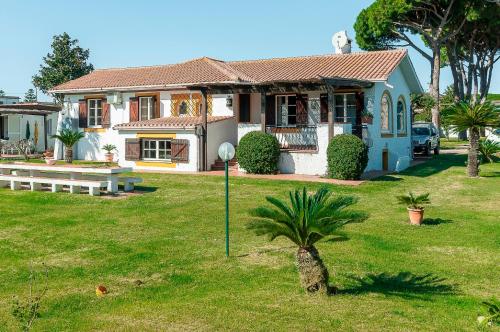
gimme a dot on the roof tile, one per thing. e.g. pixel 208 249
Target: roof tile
pixel 370 66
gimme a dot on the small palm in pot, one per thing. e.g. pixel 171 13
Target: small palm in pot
pixel 415 205
pixel 109 148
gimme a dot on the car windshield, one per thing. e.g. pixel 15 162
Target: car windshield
pixel 420 131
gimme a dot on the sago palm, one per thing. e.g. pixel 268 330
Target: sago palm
pixel 307 220
pixel 69 138
pixel 489 149
pixel 473 117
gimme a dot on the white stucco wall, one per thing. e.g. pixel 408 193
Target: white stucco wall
pixel 90 147
pixel 16 128
pixel 396 146
pixel 191 166
pixel 218 133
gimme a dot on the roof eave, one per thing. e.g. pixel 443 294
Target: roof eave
pixel 136 88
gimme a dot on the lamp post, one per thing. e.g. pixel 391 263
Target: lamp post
pixel 226 153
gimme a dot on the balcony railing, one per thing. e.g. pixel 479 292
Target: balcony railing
pixel 303 138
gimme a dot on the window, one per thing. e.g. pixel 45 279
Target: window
pixel 386 113
pixel 286 110
pixel 345 107
pixel 146 105
pixel 95 112
pixel 49 127
pixel 183 108
pixel 401 116
pixel 156 149
pixel 244 104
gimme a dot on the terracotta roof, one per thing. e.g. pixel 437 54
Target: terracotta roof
pixel 368 66
pixel 169 123
pixel 371 66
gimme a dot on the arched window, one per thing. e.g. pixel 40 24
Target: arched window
pixel 386 113
pixel 401 116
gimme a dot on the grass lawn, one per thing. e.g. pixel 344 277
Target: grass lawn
pixel 452 143
pixel 391 276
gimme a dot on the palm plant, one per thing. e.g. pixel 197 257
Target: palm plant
pixel 488 149
pixel 307 220
pixel 473 117
pixel 415 202
pixel 69 138
pixel 109 148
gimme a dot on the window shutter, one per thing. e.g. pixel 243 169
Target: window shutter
pixel 134 109
pixel 180 150
pixel 302 109
pixel 132 149
pixel 106 121
pixel 323 102
pixel 82 113
pixel 156 107
pixel 360 106
pixel 270 111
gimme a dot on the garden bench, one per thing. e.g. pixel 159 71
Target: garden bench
pixel 128 182
pixel 55 183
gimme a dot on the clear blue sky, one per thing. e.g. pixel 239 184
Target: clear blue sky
pixel 138 33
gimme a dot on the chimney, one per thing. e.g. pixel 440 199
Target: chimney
pixel 341 42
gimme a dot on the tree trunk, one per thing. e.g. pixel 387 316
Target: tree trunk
pixel 313 273
pixel 472 161
pixel 68 154
pixel 434 88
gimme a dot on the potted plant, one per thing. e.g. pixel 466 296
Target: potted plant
pixel 49 157
pixel 69 138
pixel 366 117
pixel 109 156
pixel 415 205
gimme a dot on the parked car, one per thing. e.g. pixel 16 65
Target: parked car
pixel 494 136
pixel 425 138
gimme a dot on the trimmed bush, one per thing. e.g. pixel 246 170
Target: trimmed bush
pixel 347 157
pixel 258 153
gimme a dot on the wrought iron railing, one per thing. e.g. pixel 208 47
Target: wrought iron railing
pixel 295 138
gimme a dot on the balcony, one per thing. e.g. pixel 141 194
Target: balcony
pixel 297 138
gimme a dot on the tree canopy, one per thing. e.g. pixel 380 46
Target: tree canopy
pixel 30 96
pixel 67 61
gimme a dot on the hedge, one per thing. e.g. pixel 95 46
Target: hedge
pixel 258 153
pixel 347 157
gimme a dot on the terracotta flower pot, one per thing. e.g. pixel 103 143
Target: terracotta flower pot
pixel 367 120
pixel 109 157
pixel 50 161
pixel 416 216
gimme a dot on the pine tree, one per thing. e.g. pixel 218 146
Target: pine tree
pixel 30 96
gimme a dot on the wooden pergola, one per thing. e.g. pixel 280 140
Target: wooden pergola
pixel 324 84
pixel 40 109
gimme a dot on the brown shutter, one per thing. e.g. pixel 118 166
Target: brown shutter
pixel 82 113
pixel 323 102
pixel 302 109
pixel 132 149
pixel 106 121
pixel 270 111
pixel 180 150
pixel 360 106
pixel 156 107
pixel 134 109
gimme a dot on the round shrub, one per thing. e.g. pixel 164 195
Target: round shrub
pixel 347 157
pixel 258 153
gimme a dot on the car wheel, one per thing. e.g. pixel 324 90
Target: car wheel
pixel 427 150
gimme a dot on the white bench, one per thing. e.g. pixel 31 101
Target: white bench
pixel 128 182
pixel 56 184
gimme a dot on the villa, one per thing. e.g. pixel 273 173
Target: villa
pixel 175 116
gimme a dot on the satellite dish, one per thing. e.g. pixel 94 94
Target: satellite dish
pixel 341 42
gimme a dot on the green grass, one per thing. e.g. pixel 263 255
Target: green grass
pixel 391 276
pixel 452 143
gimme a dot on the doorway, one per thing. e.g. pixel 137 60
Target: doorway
pixel 385 160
